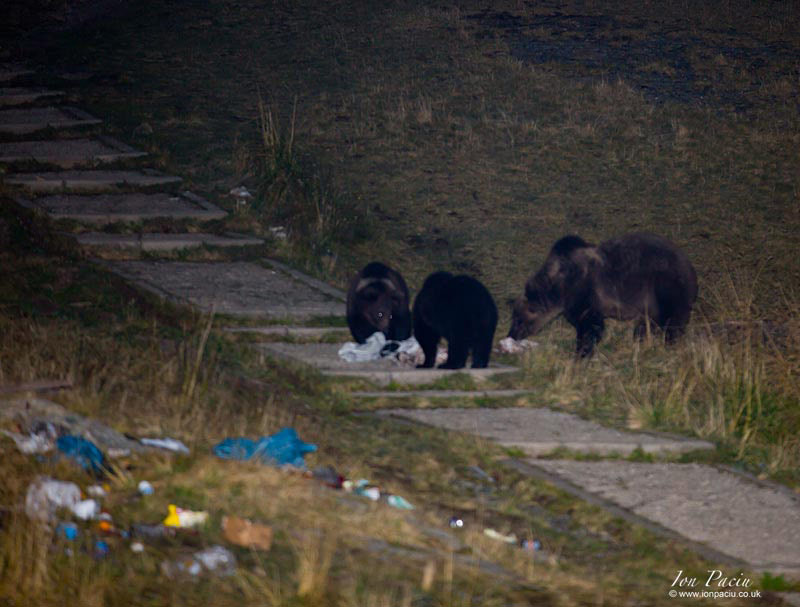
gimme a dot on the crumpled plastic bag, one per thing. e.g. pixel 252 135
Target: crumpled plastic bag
pixel 45 495
pixel 377 347
pixel 282 448
pixel 509 345
pixel 84 452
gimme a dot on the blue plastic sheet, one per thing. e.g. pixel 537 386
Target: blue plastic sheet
pixel 84 452
pixel 283 447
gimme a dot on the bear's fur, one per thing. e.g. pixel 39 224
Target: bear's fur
pixel 378 301
pixel 639 277
pixel 460 309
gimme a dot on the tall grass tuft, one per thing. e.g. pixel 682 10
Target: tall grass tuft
pixel 298 193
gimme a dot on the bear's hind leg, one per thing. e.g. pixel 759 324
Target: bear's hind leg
pixel 428 340
pixel 457 352
pixel 481 351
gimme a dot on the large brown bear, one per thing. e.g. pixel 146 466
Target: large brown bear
pixel 378 301
pixel 635 277
pixel 460 309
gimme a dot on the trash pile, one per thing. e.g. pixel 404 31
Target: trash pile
pixel 509 345
pixel 406 352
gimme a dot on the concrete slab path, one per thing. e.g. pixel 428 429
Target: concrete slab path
pixel 443 394
pixel 752 521
pixel 235 288
pixel 48 182
pixel 11 71
pixel 540 431
pixel 30 120
pixel 325 357
pixel 285 331
pixel 68 153
pixel 132 206
pixel 162 242
pixel 10 96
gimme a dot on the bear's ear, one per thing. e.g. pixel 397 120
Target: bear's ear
pixel 588 257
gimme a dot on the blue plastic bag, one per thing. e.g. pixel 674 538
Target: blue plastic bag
pixel 84 452
pixel 283 447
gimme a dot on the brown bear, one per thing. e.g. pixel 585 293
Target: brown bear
pixel 634 277
pixel 460 309
pixel 378 301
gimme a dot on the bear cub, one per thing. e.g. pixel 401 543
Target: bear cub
pixel 378 301
pixel 460 309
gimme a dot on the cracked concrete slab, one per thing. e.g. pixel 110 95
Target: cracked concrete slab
pixel 540 431
pixel 284 331
pixel 325 357
pixel 18 96
pixel 30 120
pixel 236 288
pixel 132 206
pixel 88 181
pixel 68 153
pixel 11 71
pixel 443 394
pixel 162 242
pixel 755 522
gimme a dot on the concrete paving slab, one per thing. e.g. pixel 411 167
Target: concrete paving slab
pixel 88 181
pixel 325 357
pixel 132 206
pixel 753 522
pixel 284 331
pixel 235 288
pixel 443 394
pixel 68 153
pixel 162 242
pixel 18 96
pixel 12 71
pixel 30 120
pixel 539 431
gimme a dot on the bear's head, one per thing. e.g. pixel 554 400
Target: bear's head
pixel 377 306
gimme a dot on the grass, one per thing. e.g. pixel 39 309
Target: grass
pixel 417 135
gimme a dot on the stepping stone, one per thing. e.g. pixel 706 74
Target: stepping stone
pixel 325 357
pixel 18 96
pixel 20 122
pixel 68 153
pixel 284 331
pixel 749 520
pixel 10 72
pixel 540 431
pixel 89 181
pixel 235 288
pixel 133 206
pixel 162 242
pixel 444 394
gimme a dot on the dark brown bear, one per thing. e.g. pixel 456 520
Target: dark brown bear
pixel 460 309
pixel 378 301
pixel 639 277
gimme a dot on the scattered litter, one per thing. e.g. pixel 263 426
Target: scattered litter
pixel 328 476
pixel 242 195
pixel 456 523
pixel 399 502
pixel 179 517
pixel 496 535
pixel 531 545
pixel 85 509
pixel 509 345
pixel 105 527
pixel 143 530
pixel 33 443
pixel 84 452
pixel 245 533
pixel 282 448
pixel 96 491
pixel 279 232
pixel 170 444
pixel 363 488
pixel 45 495
pixel 116 452
pixel 377 347
pixel 101 549
pixel 145 488
pixel 137 547
pixel 215 559
pixel 67 530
